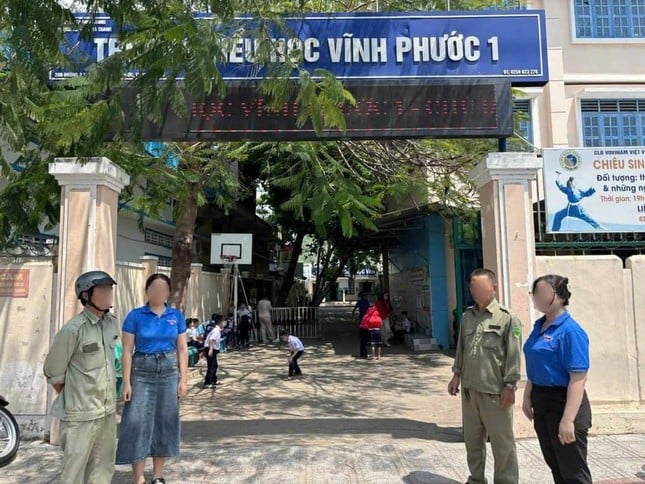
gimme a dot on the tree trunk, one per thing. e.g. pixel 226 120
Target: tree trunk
pixel 319 293
pixel 385 283
pixel 323 253
pixel 182 248
pixel 291 270
pixel 320 289
pixel 323 284
pixel 323 288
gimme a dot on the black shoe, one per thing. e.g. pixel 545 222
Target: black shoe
pixel 159 480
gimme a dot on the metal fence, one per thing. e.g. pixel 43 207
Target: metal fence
pixel 303 322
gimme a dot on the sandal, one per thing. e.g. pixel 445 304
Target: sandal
pixel 159 480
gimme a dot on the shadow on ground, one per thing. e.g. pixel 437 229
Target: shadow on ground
pixel 397 428
pixel 423 477
pixel 336 385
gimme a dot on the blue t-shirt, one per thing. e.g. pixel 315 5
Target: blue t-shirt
pixel 363 305
pixel 551 355
pixel 153 333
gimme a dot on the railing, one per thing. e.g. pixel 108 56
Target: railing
pixel 303 322
pixel 31 246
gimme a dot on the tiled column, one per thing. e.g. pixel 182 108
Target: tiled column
pixel 88 215
pixel 87 228
pixel 508 237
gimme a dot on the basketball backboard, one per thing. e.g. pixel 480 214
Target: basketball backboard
pixel 239 247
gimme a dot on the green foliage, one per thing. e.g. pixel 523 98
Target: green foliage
pixel 75 117
pixel 335 191
pixel 307 184
pixel 203 169
pixel 29 201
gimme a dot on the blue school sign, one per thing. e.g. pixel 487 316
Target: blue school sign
pixel 380 46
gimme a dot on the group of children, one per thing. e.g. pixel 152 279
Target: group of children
pixel 210 336
pixel 234 335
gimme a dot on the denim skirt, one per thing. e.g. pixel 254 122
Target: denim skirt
pixel 150 424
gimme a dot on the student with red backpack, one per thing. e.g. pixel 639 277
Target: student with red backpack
pixel 373 322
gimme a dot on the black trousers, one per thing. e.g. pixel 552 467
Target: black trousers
pixel 211 373
pixel 568 463
pixel 399 335
pixel 364 335
pixel 294 369
pixel 243 337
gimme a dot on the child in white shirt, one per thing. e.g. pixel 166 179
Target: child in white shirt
pixel 402 327
pixel 212 345
pixel 192 333
pixel 296 350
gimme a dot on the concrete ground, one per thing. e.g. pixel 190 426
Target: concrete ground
pixel 345 421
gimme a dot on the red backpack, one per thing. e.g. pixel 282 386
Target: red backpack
pixel 372 319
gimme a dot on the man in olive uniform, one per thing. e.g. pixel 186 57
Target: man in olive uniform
pixel 487 364
pixel 80 366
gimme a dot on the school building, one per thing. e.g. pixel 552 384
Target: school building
pixel 595 97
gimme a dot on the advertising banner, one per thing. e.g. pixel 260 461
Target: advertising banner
pixel 595 189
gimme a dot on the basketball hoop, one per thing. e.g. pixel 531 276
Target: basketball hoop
pixel 231 251
pixel 229 259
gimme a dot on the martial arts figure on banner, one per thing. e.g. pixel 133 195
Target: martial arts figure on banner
pixel 573 208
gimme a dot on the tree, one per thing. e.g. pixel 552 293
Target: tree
pixel 335 192
pixel 333 257
pixel 191 174
pixel 40 120
pixel 75 117
pixel 310 190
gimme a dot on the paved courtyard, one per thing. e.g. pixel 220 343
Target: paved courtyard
pixel 345 421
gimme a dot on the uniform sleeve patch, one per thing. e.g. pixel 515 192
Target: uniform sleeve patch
pixel 517 331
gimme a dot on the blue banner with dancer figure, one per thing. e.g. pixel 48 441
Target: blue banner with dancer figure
pixel 590 190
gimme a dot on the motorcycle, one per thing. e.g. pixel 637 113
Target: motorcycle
pixel 9 434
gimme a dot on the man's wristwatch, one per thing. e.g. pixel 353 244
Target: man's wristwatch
pixel 512 386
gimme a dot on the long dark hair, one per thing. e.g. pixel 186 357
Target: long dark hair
pixel 559 284
pixel 386 302
pixel 154 277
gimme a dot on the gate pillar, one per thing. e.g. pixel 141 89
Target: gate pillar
pixel 87 229
pixel 508 236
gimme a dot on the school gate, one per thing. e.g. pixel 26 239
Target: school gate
pixel 413 75
pixel 441 75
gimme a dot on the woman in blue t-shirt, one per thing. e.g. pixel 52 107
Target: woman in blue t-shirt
pixel 155 366
pixel 557 362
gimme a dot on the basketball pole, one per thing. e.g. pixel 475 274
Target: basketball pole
pixel 237 279
pixel 236 274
